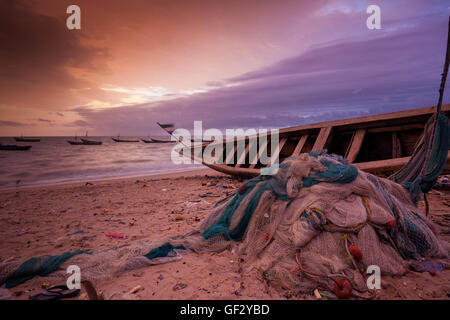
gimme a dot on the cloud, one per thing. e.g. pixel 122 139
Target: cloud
pixel 45 120
pixel 60 114
pixel 80 123
pixel 51 75
pixel 387 72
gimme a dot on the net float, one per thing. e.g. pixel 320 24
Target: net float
pixel 355 252
pixel 342 288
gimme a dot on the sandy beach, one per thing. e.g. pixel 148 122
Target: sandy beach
pixel 53 219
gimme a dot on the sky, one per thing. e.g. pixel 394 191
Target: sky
pixel 231 64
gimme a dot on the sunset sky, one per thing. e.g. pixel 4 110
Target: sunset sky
pixel 246 63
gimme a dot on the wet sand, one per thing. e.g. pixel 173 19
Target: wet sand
pixel 53 219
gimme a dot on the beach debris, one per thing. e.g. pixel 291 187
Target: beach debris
pixel 88 184
pixel 342 288
pixel 178 218
pixel 317 294
pixel 164 190
pixel 115 235
pixel 179 286
pixel 355 252
pixel 431 267
pixel 135 289
pixel 90 290
pixel 78 232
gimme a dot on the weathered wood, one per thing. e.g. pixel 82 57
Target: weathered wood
pixel 243 156
pixel 275 154
pixel 411 120
pixel 355 145
pixel 405 127
pixel 322 138
pixel 388 165
pixel 396 146
pixel 258 154
pixel 300 144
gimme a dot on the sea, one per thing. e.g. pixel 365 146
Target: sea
pixel 54 160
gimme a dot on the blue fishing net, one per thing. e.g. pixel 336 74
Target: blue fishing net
pixel 39 266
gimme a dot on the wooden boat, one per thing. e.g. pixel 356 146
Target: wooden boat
pixel 380 144
pixel 161 140
pixel 13 147
pixel 89 142
pixel 75 143
pixel 22 139
pixel 147 141
pixel 124 140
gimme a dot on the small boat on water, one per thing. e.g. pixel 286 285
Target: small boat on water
pixel 89 142
pixel 75 143
pixel 22 139
pixel 124 140
pixel 147 141
pixel 154 140
pixel 379 144
pixel 13 147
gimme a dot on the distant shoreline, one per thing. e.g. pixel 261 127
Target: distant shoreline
pixel 156 175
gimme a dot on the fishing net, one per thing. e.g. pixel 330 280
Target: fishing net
pixel 317 219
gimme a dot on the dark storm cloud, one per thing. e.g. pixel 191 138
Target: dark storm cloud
pixel 35 54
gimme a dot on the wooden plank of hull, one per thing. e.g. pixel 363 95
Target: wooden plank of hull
pixel 372 167
pixel 355 145
pixel 322 138
pixel 379 120
pixel 262 149
pixel 396 146
pixel 391 164
pixel 241 160
pixel 300 144
pixel 275 155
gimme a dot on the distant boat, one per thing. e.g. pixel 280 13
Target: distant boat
pixel 90 142
pixel 161 141
pixel 83 142
pixel 75 143
pixel 147 141
pixel 124 140
pixel 13 147
pixel 22 139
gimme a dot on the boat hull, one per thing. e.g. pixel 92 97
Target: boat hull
pixel 14 148
pixel 27 139
pixel 379 144
pixel 91 142
pixel 123 140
